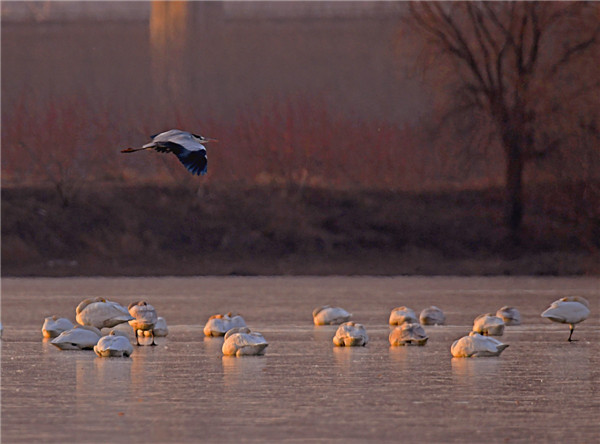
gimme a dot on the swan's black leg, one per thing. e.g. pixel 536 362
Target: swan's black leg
pixel 571 328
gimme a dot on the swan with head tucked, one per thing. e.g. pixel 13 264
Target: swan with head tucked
pixel 326 315
pixel 408 334
pixel 509 315
pixel 400 315
pixel 144 319
pixel 113 345
pixel 53 326
pixel 80 337
pixel 432 316
pixel 101 313
pixel 475 345
pixel 350 334
pixel 219 324
pixel 240 341
pixel 568 310
pixel 488 325
pixel 160 327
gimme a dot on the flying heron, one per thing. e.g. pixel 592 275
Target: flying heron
pixel 186 146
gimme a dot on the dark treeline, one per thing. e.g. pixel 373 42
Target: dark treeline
pixel 150 230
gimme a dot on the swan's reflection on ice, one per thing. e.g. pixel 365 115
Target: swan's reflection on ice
pixel 244 370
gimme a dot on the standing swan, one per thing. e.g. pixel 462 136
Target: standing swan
pixel 144 319
pixel 569 310
pixel 101 313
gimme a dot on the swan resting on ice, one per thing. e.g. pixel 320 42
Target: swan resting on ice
pixel 240 341
pixel 510 315
pixel 432 316
pixel 160 327
pixel 219 324
pixel 400 315
pixel 327 315
pixel 113 345
pixel 350 334
pixel 80 337
pixel 475 345
pixel 53 326
pixel 101 313
pixel 408 334
pixel 489 325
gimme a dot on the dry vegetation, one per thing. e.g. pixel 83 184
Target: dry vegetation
pixel 293 187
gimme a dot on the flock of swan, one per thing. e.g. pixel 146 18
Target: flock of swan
pixel 93 315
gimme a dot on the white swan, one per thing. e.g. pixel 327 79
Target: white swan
pixel 101 313
pixel 408 334
pixel 80 337
pixel 113 345
pixel 144 319
pixel 327 315
pixel 218 325
pixel 160 327
pixel 569 310
pixel 350 334
pixel 400 315
pixel 432 316
pixel 475 345
pixel 53 326
pixel 510 315
pixel 240 341
pixel 489 325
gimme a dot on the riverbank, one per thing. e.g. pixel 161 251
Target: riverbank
pixel 271 230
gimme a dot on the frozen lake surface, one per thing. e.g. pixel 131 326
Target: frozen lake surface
pixel 541 389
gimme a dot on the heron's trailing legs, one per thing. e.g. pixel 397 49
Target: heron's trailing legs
pixel 132 150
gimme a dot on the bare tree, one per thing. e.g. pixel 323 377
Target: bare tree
pixel 523 65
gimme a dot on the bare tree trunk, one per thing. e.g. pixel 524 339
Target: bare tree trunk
pixel 514 190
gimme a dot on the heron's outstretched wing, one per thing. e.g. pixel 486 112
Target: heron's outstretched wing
pixel 195 161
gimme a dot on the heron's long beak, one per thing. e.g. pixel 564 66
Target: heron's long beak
pixel 208 139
